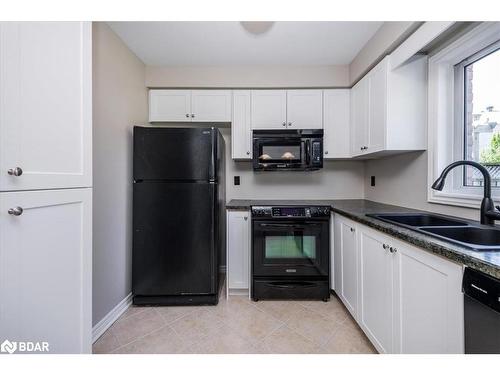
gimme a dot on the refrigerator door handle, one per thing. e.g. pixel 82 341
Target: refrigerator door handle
pixel 213 156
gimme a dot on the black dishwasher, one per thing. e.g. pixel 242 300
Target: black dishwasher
pixel 481 312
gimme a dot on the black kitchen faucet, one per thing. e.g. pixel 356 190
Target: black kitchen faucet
pixel 488 211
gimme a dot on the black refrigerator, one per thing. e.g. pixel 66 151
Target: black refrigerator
pixel 178 215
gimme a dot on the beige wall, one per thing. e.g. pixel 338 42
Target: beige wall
pixel 248 76
pixel 402 180
pixel 389 36
pixel 337 180
pixel 119 101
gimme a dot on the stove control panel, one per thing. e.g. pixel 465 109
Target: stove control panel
pixel 291 211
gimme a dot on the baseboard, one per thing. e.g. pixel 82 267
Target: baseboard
pixel 111 317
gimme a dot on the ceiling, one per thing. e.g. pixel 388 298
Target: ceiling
pixel 260 43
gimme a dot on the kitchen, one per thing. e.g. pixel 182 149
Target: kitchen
pixel 229 201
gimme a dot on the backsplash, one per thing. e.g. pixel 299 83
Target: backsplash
pixel 337 180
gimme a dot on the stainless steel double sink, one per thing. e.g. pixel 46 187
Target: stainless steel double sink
pixel 474 237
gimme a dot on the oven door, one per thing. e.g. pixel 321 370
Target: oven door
pixel 279 153
pixel 291 248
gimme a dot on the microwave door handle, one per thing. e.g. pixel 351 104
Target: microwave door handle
pixel 308 152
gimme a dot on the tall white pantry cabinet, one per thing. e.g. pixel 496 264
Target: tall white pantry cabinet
pixel 46 184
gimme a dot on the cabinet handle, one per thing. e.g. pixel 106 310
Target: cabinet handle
pixel 393 250
pixel 289 124
pixel 352 229
pixel 246 218
pixel 284 123
pixel 192 115
pixel 187 114
pixel 326 152
pixel 15 171
pixel 16 211
pixel 385 246
pixel 248 152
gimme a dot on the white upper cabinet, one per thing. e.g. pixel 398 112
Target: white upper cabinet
pixel 268 109
pixel 189 105
pixel 388 109
pixel 304 109
pixel 46 268
pixel 377 108
pixel 211 105
pixel 359 117
pixel 336 124
pixel 241 128
pixel 169 105
pixel 45 105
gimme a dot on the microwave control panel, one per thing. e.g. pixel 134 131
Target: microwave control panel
pixel 317 152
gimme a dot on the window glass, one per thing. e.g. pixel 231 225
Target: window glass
pixel 482 117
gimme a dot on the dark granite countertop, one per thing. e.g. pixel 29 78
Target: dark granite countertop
pixel 245 204
pixel 356 209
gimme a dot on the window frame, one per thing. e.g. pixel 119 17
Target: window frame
pixel 459 147
pixel 445 94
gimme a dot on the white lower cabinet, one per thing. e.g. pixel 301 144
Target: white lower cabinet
pixel 46 268
pixel 375 289
pixel 428 301
pixel 408 300
pixel 238 251
pixel 346 263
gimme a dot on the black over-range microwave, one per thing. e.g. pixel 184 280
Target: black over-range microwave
pixel 297 150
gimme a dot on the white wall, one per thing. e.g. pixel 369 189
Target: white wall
pixel 119 102
pixel 384 41
pixel 402 180
pixel 248 76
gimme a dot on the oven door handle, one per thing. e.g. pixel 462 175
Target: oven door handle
pixel 289 225
pixel 291 285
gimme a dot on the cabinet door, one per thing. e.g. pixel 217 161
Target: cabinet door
pixel 238 249
pixel 169 105
pixel 359 117
pixel 45 105
pixel 211 105
pixel 377 97
pixel 304 109
pixel 241 131
pixel 46 268
pixel 268 109
pixel 428 306
pixel 336 117
pixel 375 286
pixel 348 263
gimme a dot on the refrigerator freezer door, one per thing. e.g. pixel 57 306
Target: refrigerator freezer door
pixel 174 249
pixel 174 153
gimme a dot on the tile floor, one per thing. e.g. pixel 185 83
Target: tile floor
pixel 237 325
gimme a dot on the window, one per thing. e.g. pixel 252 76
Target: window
pixel 478 79
pixel 464 114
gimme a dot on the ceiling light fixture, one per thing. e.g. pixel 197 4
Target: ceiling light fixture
pixel 257 27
